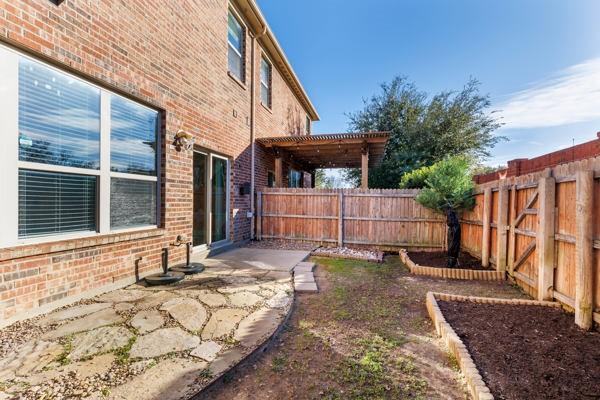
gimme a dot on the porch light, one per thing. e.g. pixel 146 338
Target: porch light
pixel 183 140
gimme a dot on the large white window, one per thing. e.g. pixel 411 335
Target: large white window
pixel 82 160
pixel 235 39
pixel 265 82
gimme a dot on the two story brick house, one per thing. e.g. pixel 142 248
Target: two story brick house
pixel 127 126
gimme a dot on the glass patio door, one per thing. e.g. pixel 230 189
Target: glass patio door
pixel 219 199
pixel 200 219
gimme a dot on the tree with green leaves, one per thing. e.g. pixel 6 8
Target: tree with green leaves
pixel 423 130
pixel 447 187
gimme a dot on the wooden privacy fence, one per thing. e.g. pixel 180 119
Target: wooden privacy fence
pixel 543 229
pixel 386 219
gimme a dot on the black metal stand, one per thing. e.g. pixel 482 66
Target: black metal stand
pixel 166 277
pixel 189 267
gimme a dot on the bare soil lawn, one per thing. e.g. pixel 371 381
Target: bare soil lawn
pixel 528 352
pixel 439 259
pixel 365 335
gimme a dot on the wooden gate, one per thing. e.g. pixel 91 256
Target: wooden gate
pixel 522 240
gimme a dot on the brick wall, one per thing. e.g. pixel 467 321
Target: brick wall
pixel 173 56
pixel 524 166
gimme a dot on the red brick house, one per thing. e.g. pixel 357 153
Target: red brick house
pixel 128 124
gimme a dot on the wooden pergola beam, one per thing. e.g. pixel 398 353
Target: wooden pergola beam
pixel 364 168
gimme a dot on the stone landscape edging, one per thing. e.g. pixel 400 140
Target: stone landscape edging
pixel 477 387
pixel 218 381
pixel 348 256
pixel 450 273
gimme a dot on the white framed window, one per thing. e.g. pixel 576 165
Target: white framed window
pixel 235 40
pixel 266 70
pixel 82 161
pixel 295 179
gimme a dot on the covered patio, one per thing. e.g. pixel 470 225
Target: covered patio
pixel 339 150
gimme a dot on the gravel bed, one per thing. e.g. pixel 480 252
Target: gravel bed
pixel 278 244
pixel 345 252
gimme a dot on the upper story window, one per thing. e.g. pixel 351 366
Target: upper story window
pixel 235 39
pixel 308 125
pixel 85 160
pixel 265 82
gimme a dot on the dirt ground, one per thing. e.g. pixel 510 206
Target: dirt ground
pixel 439 259
pixel 528 352
pixel 365 335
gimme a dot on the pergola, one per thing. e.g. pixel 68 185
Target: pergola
pixel 338 150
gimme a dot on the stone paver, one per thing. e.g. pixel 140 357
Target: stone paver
pixel 257 326
pixel 169 380
pixel 306 287
pixel 211 299
pixel 215 305
pixel 99 340
pixel 73 312
pixel 91 321
pixel 163 341
pixel 280 300
pixel 222 322
pixel 31 357
pixel 123 306
pixel 155 299
pixel 146 321
pixel 188 312
pixel 207 350
pixel 304 266
pixel 244 299
pixel 122 296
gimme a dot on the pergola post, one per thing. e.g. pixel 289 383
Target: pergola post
pixel 365 167
pixel 278 169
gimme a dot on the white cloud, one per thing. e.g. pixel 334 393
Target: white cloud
pixel 571 96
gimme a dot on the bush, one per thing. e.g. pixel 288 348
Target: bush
pixel 416 179
pixel 448 185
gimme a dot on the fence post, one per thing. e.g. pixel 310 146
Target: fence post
pixel 485 235
pixel 502 225
pixel 341 219
pixel 259 216
pixel 584 272
pixel 545 237
pixel 510 261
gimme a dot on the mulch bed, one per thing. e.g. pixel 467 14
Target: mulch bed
pixel 528 352
pixel 439 259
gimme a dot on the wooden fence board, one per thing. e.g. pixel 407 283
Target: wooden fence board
pixel 384 218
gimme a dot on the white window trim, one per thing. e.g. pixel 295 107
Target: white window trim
pixel 236 16
pixel 10 163
pixel 227 196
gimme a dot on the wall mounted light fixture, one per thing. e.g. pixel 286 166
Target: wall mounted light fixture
pixel 183 140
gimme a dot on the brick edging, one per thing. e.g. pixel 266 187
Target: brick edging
pixel 477 387
pixel 450 273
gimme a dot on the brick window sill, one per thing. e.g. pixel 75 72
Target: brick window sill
pixel 30 250
pixel 237 80
pixel 266 107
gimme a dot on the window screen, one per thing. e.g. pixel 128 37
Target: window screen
pixel 132 203
pixel 52 203
pixel 59 118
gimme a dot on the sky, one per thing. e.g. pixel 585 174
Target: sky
pixel 538 60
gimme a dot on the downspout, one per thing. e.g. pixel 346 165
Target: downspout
pixel 253 40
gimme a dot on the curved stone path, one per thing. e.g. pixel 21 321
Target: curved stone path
pixel 148 342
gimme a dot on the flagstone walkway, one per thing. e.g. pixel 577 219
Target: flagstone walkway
pixel 145 342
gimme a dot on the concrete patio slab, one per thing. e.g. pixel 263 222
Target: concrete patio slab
pixel 273 260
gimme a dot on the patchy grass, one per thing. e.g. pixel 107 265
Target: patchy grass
pixel 365 335
pixel 63 358
pixel 122 353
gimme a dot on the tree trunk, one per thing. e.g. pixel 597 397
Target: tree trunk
pixel 453 238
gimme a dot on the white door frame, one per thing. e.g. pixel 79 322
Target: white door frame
pixel 209 182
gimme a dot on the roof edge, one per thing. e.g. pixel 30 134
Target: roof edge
pixel 258 23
